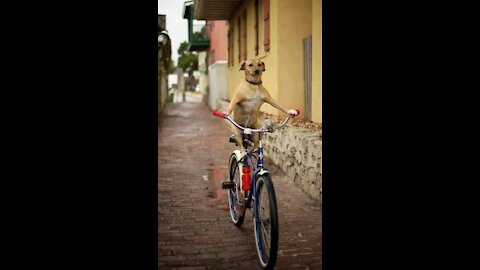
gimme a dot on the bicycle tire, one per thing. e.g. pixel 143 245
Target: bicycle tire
pixel 234 175
pixel 267 250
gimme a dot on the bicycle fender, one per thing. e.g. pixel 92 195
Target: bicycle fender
pixel 238 154
pixel 263 172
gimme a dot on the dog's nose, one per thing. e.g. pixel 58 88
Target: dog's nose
pixel 257 71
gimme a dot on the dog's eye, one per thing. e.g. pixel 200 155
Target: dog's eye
pixel 251 65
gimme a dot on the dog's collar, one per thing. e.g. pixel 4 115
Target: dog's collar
pixel 255 83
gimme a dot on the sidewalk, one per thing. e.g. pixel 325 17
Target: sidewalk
pixel 195 230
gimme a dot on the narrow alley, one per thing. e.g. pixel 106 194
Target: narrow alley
pixel 195 230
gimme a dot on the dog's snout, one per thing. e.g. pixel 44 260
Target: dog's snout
pixel 257 71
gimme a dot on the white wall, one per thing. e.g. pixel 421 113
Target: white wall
pixel 172 79
pixel 203 80
pixel 217 74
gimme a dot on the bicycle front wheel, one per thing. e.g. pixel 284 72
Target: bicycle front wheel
pixel 236 199
pixel 266 222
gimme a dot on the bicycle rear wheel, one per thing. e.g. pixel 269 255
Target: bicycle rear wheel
pixel 236 198
pixel 266 222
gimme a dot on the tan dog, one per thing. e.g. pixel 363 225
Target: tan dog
pixel 248 98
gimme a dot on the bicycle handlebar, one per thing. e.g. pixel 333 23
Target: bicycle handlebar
pixel 219 114
pixel 249 130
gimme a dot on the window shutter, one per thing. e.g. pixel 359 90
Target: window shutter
pixel 244 35
pixel 229 49
pixel 239 41
pixel 256 27
pixel 230 45
pixel 266 23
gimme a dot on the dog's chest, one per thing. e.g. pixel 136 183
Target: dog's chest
pixel 253 100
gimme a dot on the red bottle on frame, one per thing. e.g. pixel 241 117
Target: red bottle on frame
pixel 246 178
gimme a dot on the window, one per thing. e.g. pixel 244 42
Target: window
pixel 256 27
pixel 239 40
pixel 244 35
pixel 242 39
pixel 230 45
pixel 266 25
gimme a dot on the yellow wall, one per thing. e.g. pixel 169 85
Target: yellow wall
pixel 317 61
pixel 270 75
pixel 290 23
pixel 294 25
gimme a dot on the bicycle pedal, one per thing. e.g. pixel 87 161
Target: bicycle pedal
pixel 228 184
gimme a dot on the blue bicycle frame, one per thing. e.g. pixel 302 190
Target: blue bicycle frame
pixel 259 170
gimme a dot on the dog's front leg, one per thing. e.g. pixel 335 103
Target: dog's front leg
pixel 235 100
pixel 275 104
pixel 238 137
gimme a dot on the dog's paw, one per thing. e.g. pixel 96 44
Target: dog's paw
pixel 267 123
pixel 294 112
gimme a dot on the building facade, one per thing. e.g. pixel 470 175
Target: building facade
pixel 287 37
pixel 164 58
pixel 217 62
pixel 217 32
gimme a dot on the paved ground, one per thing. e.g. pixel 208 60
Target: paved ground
pixel 195 231
pixel 189 97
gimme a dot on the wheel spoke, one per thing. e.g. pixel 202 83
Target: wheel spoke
pixel 266 237
pixel 235 194
pixel 265 220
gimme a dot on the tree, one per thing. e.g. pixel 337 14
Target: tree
pixel 188 61
pixel 186 58
pixel 171 67
pixel 200 35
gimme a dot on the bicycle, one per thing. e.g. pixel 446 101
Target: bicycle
pixel 245 187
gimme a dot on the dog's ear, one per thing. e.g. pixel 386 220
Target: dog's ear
pixel 243 66
pixel 263 66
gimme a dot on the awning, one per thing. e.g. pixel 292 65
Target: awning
pixel 215 9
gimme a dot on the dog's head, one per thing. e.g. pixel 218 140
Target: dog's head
pixel 253 69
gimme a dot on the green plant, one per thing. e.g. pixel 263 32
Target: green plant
pixel 186 58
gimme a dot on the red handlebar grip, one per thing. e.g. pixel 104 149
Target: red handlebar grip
pixel 218 113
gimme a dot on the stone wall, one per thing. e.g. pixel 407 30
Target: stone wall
pixel 298 153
